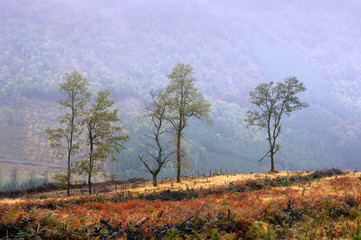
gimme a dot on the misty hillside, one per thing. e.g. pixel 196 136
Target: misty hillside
pixel 129 46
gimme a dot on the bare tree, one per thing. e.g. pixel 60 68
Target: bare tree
pixel 156 154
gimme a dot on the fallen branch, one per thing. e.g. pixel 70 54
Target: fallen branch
pixel 161 213
pixel 195 215
pixel 28 220
pixel 141 222
pixel 107 224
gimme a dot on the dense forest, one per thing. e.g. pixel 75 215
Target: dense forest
pixel 130 46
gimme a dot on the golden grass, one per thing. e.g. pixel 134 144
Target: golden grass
pixel 204 182
pixel 187 183
pixel 11 201
pixel 318 197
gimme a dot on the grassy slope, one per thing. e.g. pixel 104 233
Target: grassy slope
pixel 239 206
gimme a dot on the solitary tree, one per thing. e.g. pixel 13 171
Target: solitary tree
pixel 272 103
pixel 65 139
pixel 157 154
pixel 184 101
pixel 103 136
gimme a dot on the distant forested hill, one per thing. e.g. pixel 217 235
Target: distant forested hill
pixel 129 46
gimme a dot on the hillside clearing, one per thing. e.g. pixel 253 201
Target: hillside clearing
pixel 294 205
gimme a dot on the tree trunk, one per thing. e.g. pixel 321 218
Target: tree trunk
pixel 68 175
pixel 68 185
pixel 155 180
pixel 70 149
pixel 179 165
pixel 272 162
pixel 271 144
pixel 90 170
pixel 90 183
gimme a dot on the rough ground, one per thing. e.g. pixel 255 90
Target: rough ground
pixel 51 187
pixel 324 204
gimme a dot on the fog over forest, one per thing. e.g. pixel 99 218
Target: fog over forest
pixel 130 46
